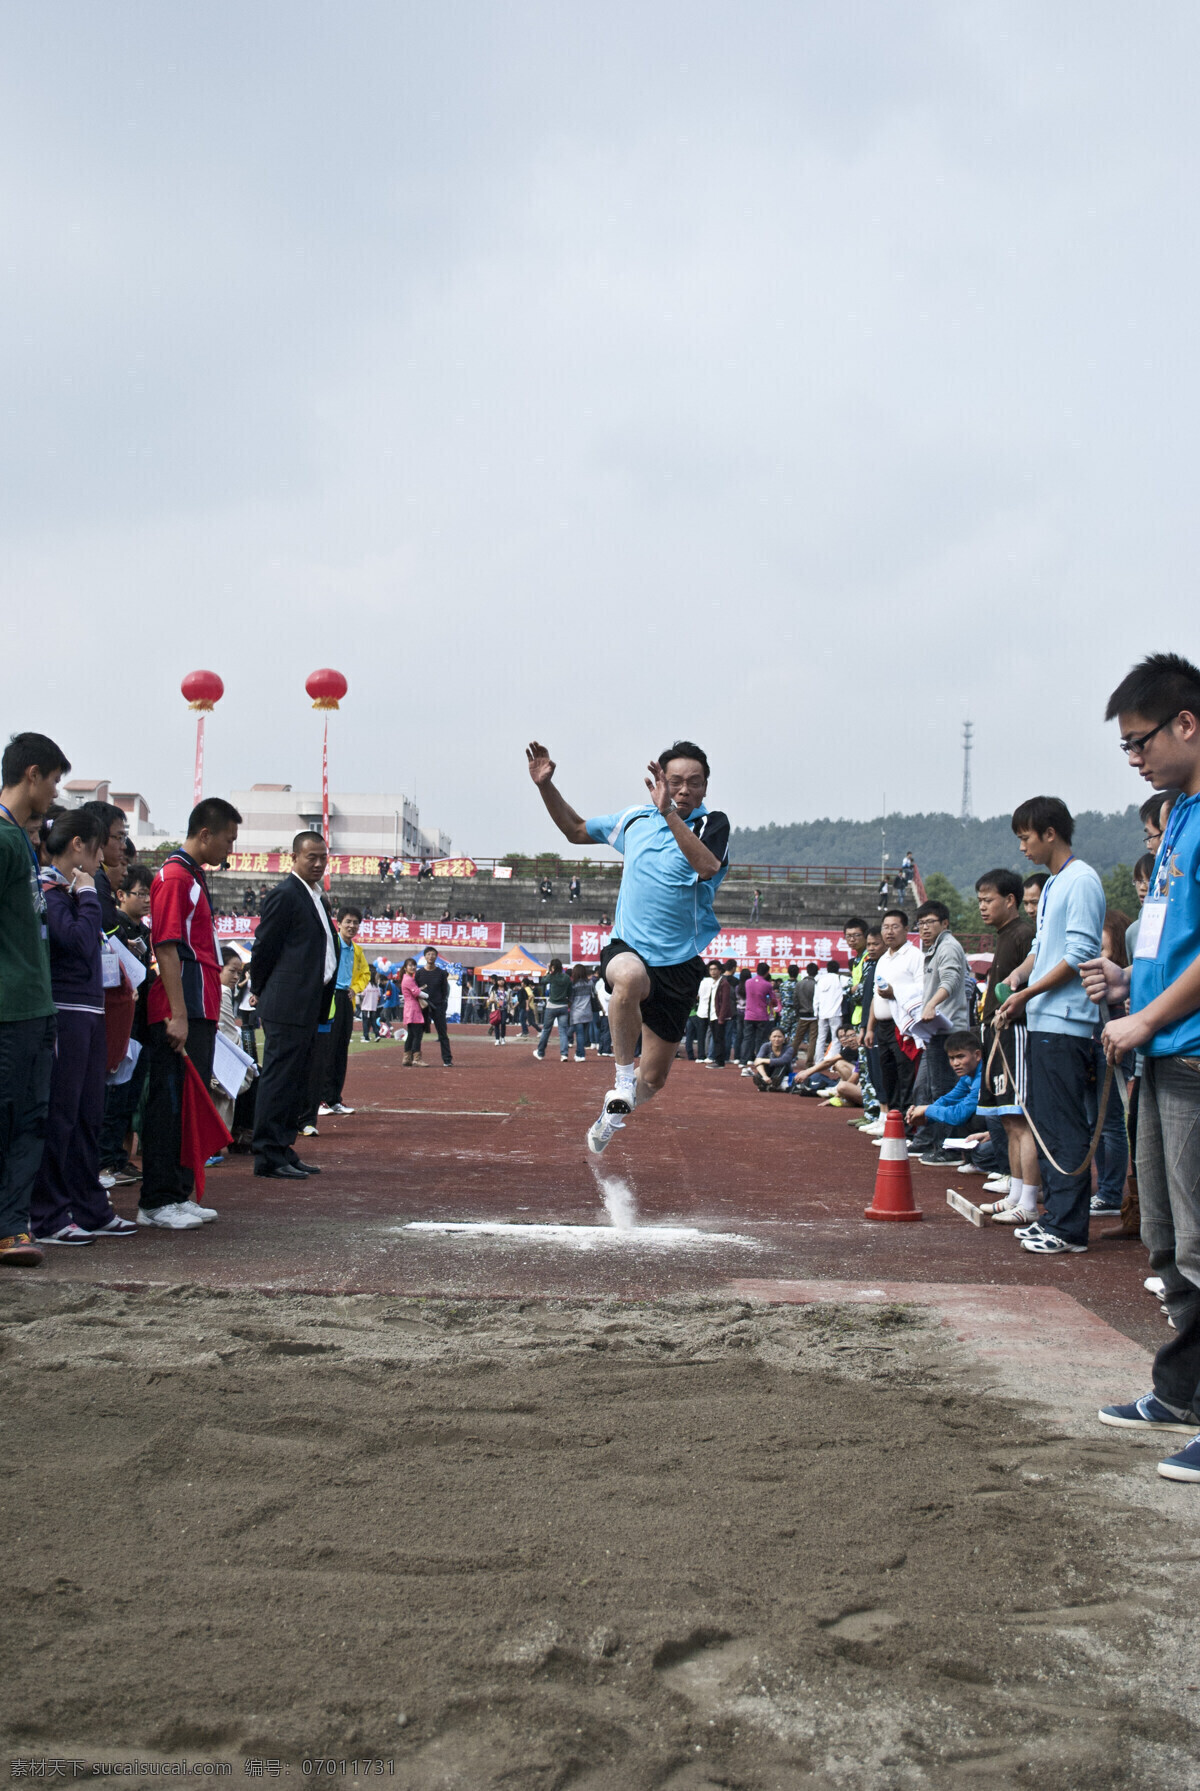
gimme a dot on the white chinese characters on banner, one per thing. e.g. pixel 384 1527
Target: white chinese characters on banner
pixel 451 934
pixel 749 946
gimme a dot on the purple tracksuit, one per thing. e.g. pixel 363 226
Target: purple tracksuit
pixel 68 1183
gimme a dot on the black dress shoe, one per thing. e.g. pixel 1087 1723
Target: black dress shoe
pixel 305 1168
pixel 285 1172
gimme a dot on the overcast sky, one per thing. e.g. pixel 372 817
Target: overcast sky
pixel 799 377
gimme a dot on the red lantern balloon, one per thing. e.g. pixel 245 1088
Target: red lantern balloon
pixel 326 688
pixel 202 690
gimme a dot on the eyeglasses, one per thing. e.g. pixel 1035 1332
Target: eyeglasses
pixel 1137 742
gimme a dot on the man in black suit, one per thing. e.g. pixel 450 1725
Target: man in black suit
pixel 293 969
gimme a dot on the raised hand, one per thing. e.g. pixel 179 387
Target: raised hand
pixel 541 765
pixel 656 783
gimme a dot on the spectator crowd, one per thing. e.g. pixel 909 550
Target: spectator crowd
pixel 124 1024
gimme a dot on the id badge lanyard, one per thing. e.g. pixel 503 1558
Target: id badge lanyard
pixel 1154 908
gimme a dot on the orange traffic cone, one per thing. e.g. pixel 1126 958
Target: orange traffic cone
pixel 893 1197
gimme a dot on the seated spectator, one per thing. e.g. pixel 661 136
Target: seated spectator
pixel 840 1064
pixel 772 1068
pixel 955 1108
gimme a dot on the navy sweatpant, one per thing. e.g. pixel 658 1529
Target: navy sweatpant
pixel 68 1182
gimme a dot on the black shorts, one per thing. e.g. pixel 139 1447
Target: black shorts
pixel 999 1093
pixel 673 990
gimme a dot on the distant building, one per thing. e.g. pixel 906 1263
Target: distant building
pixel 144 835
pixel 386 826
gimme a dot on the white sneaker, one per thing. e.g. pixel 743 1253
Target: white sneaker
pixel 997 1184
pixel 1155 1285
pixel 323 1111
pixel 205 1214
pixel 173 1218
pixel 747 1071
pixel 341 1108
pixel 875 1129
pixel 309 1131
pixel 612 1119
pixel 107 1178
pixel 70 1233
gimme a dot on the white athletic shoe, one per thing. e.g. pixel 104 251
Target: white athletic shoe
pixel 174 1217
pixel 205 1214
pixel 997 1184
pixel 612 1119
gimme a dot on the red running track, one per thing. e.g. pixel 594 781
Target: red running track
pixel 501 1138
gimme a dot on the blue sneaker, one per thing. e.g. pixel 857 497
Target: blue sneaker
pixel 1148 1413
pixel 1185 1465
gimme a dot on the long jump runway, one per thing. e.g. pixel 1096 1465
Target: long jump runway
pixel 476 1182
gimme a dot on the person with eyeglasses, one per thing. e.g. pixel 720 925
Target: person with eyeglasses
pixel 1047 992
pixel 1157 707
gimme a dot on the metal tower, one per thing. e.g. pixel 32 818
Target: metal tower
pixel 967 743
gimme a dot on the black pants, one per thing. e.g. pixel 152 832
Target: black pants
pixel 120 1105
pixel 716 1042
pixel 282 1090
pixel 755 1034
pixel 934 1079
pixel 332 1052
pixel 164 1179
pixel 1059 1067
pixel 26 1064
pixel 898 1072
pixel 436 1017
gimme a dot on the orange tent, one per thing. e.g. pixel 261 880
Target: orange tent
pixel 515 962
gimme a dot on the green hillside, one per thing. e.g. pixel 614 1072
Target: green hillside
pixel 961 850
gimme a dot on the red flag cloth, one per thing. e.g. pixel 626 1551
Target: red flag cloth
pixel 908 1045
pixel 202 1131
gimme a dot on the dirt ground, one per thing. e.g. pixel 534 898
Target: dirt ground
pixel 600 1545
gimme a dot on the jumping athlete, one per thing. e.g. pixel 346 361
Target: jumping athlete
pixel 676 855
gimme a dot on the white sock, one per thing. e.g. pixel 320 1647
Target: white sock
pixel 1020 1194
pixel 626 1078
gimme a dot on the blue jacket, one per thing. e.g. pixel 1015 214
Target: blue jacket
pixel 953 1108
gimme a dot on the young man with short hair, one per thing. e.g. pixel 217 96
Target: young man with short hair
pixel 121 1098
pixel 30 771
pixel 676 855
pixel 1003 1090
pixel 1157 708
pixel 182 1011
pixel 1048 993
pixel 1031 895
pixel 332 1053
pixel 899 981
pixel 943 998
pixel 855 932
pixel 436 984
pixel 804 1036
pixel 957 1106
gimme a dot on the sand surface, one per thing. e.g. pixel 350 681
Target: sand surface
pixel 593 1545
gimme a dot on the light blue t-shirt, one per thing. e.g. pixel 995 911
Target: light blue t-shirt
pixel 664 910
pixel 345 965
pixel 1177 877
pixel 1070 925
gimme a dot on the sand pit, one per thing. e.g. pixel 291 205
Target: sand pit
pixel 593 1545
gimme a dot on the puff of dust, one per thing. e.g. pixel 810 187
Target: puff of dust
pixel 618 1200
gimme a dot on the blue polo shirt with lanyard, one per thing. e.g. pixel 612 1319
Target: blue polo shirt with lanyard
pixel 1168 941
